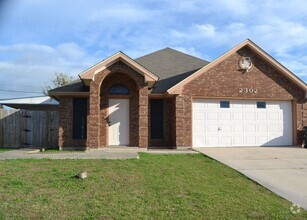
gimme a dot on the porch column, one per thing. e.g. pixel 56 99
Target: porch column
pixel 143 117
pixel 65 122
pixel 183 121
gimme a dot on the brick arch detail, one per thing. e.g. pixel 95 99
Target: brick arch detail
pixel 98 103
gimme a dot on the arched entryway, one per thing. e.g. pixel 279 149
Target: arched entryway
pixel 118 108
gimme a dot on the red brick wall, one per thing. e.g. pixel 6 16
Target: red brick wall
pixel 66 140
pixel 97 126
pixel 225 79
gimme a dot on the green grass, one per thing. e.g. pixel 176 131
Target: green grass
pixel 153 187
pixel 56 151
pixel 5 149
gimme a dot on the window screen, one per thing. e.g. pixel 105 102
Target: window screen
pixel 79 118
pixel 156 109
pixel 261 104
pixel 224 104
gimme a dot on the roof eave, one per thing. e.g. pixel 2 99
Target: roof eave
pixel 57 95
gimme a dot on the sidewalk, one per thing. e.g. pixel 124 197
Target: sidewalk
pixel 105 153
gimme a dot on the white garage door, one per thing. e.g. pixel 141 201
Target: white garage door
pixel 221 123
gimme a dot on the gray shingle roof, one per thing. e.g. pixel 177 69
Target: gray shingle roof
pixel 75 86
pixel 171 66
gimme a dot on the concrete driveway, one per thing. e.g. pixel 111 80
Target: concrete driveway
pixel 282 170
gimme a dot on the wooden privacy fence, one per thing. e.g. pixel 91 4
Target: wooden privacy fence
pixel 27 128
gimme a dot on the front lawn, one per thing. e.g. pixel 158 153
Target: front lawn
pixel 153 187
pixel 5 149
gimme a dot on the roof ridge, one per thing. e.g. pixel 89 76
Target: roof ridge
pixel 177 51
pixel 151 53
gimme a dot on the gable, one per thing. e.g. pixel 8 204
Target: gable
pixel 257 50
pixel 226 79
pixel 89 74
pixel 121 73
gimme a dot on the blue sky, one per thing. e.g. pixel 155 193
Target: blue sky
pixel 41 37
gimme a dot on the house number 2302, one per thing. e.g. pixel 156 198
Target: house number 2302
pixel 248 90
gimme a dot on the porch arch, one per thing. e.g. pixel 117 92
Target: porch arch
pixel 118 73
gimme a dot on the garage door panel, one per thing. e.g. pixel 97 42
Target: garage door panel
pixel 225 116
pixel 274 105
pixel 242 124
pixel 250 116
pixel 248 105
pixel 236 105
pixel 226 141
pixel 199 116
pixel 198 106
pixel 211 141
pixel 212 105
pixel 198 141
pixel 262 128
pixel 262 116
pixel 225 128
pixel 199 129
pixel 212 128
pixel 250 128
pixel 250 140
pixel 238 141
pixel 273 116
pixel 212 116
pixel 238 128
pixel 237 116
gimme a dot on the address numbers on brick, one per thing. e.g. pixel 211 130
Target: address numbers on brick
pixel 248 90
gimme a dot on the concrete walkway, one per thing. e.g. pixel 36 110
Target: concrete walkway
pixel 282 170
pixel 105 153
pixel 91 154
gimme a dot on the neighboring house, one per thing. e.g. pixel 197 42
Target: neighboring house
pixel 171 99
pixel 41 103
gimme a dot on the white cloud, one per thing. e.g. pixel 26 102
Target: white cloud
pixel 64 54
pixel 205 30
pixel 295 63
pixel 278 38
pixel 70 51
pixel 33 65
pixel 238 7
pixel 190 50
pixel 39 38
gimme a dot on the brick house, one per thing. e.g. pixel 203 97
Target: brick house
pixel 171 99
